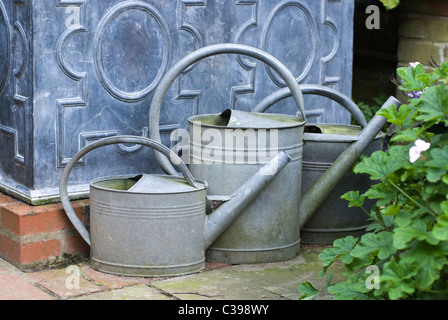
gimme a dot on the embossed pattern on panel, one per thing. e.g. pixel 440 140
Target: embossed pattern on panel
pixel 74 71
pixel 5 51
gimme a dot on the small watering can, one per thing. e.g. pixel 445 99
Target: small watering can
pixel 269 229
pixel 156 225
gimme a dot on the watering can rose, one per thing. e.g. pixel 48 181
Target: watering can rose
pixel 418 147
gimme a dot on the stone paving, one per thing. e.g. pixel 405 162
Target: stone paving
pixel 271 281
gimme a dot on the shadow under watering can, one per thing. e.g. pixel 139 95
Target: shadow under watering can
pixel 157 225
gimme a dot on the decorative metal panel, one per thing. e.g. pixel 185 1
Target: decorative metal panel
pixel 74 71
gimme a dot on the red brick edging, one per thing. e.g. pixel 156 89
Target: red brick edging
pixel 33 237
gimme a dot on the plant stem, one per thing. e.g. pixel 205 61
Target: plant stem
pixel 412 200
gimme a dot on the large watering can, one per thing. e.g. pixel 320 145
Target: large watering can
pixel 156 225
pixel 269 229
pixel 323 143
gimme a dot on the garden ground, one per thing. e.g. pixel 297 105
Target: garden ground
pixel 271 281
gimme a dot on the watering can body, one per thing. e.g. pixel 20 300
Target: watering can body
pixel 334 219
pixel 155 231
pixel 268 229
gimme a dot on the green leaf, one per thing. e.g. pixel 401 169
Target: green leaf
pixel 309 292
pixel 409 78
pixel 428 78
pixel 340 250
pixel 381 164
pixel 414 231
pixel 397 278
pixel 395 116
pixel 440 230
pixel 329 278
pixel 352 289
pixel 390 4
pixel 429 261
pixel 371 244
pixel 403 219
pixel 445 179
pixel 438 165
pixel 433 103
pixel 407 135
pixel 391 210
pixel 383 192
pixel 355 200
pixel 444 205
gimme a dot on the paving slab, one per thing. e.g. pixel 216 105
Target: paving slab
pixel 270 281
pixel 137 292
pixel 13 287
pixel 111 281
pixel 65 282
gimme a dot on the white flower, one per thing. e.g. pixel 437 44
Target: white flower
pixel 415 151
pixel 422 145
pixel 413 64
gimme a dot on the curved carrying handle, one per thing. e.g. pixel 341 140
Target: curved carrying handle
pixel 104 142
pixel 185 62
pixel 342 99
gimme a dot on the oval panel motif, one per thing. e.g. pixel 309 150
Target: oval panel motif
pixel 132 50
pixel 20 56
pixel 5 51
pixel 290 34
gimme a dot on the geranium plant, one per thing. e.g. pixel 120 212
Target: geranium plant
pixel 407 241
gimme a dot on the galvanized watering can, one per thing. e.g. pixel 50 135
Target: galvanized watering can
pixel 323 143
pixel 269 228
pixel 156 225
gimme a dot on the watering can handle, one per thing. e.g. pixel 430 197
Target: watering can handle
pixel 104 142
pixel 204 52
pixel 335 95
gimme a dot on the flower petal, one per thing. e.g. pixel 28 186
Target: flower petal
pixel 414 154
pixel 422 145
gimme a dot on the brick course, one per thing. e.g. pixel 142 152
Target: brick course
pixel 23 219
pixel 423 31
pixel 423 34
pixel 32 237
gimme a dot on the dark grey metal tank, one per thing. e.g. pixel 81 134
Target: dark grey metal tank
pixel 75 71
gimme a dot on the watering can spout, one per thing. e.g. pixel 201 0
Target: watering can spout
pixel 217 222
pixel 312 200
